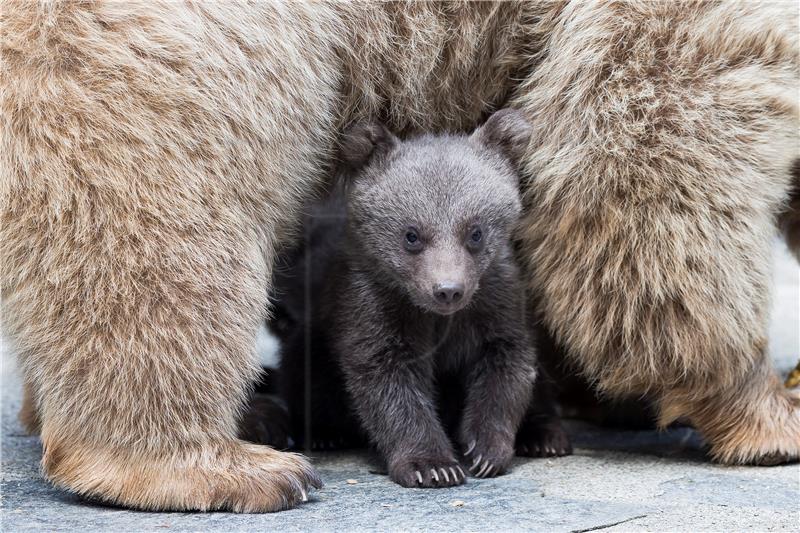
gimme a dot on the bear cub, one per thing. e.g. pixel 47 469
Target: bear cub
pixel 403 320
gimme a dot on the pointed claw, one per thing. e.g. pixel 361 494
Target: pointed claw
pixel 476 463
pixel 489 472
pixel 304 495
pixel 435 475
pixel 419 477
pixel 525 450
pixel 470 449
pixel 463 475
pixel 483 469
pixel 455 476
pixel 446 477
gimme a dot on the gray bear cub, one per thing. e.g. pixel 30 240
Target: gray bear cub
pixel 419 338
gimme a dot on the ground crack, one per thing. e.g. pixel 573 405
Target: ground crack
pixel 604 526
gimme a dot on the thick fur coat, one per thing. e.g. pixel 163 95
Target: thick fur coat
pixel 154 155
pixel 407 315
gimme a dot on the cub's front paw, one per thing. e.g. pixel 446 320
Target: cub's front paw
pixel 265 422
pixel 427 472
pixel 545 438
pixel 484 459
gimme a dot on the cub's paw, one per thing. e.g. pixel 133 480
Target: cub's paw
pixel 336 433
pixel 487 460
pixel 427 472
pixel 546 438
pixel 265 422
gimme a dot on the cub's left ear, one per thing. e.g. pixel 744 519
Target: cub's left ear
pixel 507 131
pixel 364 141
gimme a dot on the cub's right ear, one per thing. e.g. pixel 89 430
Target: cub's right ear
pixel 508 131
pixel 365 140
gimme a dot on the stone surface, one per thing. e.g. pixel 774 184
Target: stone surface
pixel 616 481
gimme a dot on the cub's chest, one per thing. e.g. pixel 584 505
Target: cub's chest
pixel 456 342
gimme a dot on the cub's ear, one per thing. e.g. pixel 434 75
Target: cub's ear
pixel 364 140
pixel 507 131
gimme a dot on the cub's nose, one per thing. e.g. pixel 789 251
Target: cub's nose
pixel 448 292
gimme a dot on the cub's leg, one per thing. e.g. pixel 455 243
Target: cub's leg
pixel 498 391
pixel 319 410
pixel 321 415
pixel 29 413
pixel 392 391
pixel 541 433
pixel 265 421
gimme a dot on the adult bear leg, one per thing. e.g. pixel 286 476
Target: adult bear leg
pixel 661 158
pixel 152 156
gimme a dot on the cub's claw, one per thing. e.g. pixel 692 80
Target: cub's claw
pixel 452 471
pixel 489 457
pixel 543 439
pixel 476 463
pixel 428 472
pixel 470 448
pixel 484 469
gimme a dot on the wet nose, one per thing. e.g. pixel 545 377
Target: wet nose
pixel 448 292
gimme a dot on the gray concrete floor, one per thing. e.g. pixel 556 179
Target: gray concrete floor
pixel 616 481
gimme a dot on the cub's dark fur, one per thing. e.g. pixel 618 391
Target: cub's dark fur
pixel 409 306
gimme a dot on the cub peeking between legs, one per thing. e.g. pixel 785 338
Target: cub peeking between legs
pixel 418 308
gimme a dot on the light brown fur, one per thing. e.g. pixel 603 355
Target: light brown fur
pixel 665 138
pixel 154 156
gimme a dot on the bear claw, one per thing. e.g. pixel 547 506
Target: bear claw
pixel 470 449
pixel 427 473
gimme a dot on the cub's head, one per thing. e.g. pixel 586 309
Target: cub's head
pixel 433 212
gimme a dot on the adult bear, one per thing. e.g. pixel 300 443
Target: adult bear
pixel 154 156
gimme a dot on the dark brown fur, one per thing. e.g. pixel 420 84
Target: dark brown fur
pixel 382 352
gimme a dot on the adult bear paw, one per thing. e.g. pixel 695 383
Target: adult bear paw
pixel 224 476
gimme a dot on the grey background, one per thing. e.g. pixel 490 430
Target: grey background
pixel 616 481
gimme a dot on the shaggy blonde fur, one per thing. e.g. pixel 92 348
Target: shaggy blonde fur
pixel 155 154
pixel 665 135
pixel 151 155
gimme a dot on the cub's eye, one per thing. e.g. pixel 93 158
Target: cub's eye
pixel 475 238
pixel 413 243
